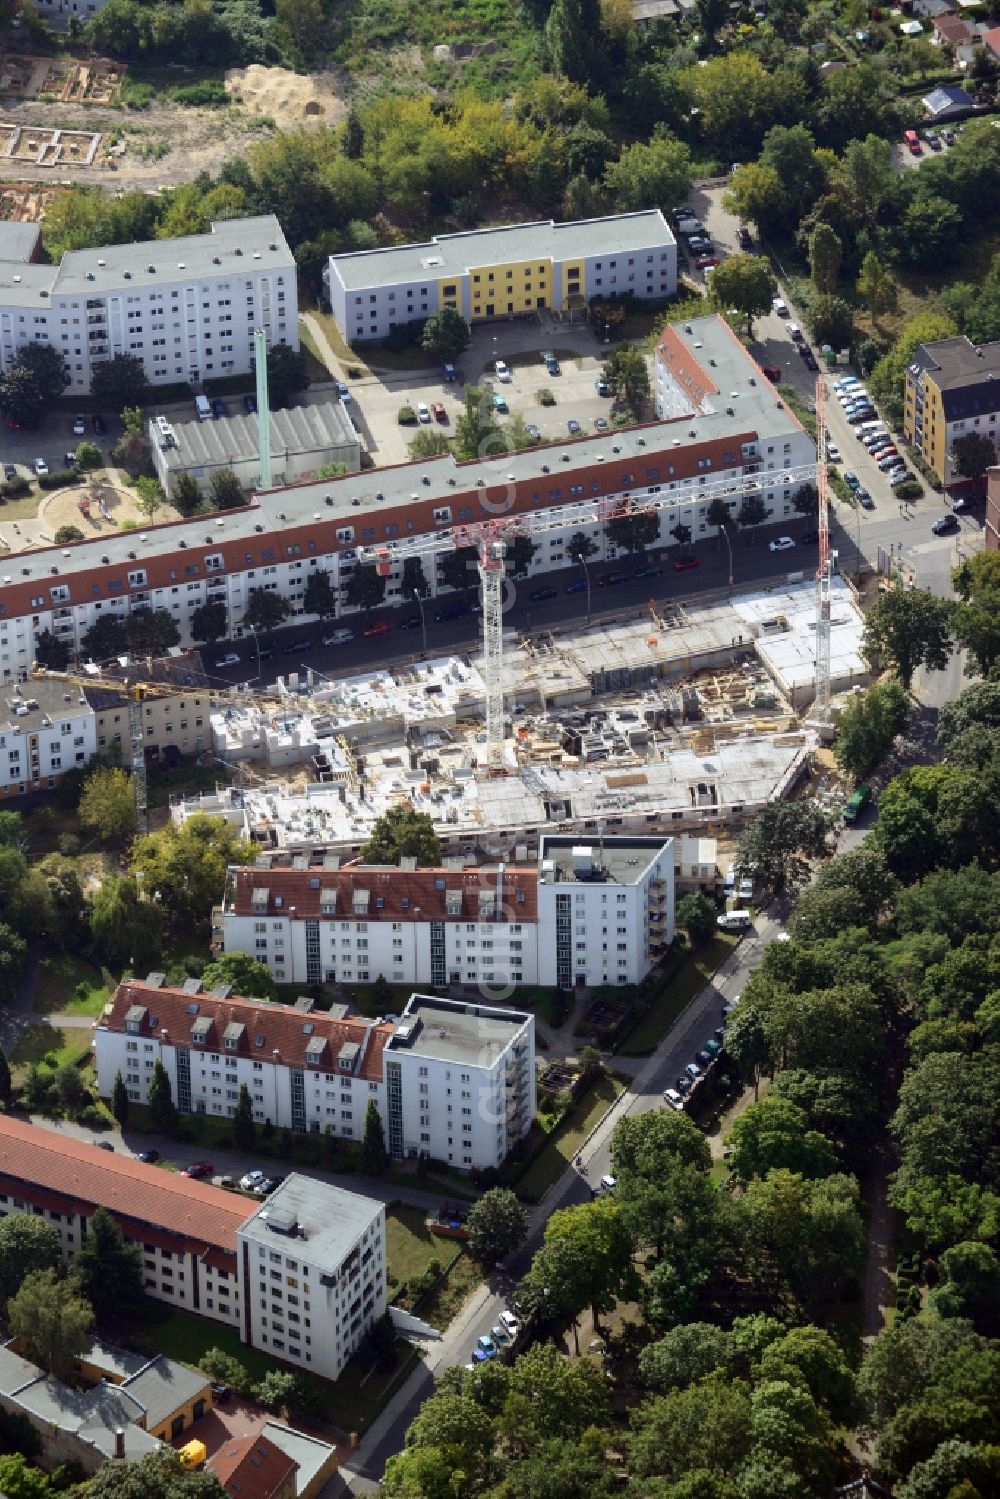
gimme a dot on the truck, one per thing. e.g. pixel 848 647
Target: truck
pixel 856 803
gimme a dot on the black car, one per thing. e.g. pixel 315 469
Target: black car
pixel 98 423
pixel 220 1392
pixel 294 646
pixel 684 1084
pixel 451 611
pixel 809 360
pixel 611 580
pixel 808 536
pixel 250 405
pixel 104 1145
pixel 745 239
pixel 648 572
pixel 412 623
pixel 149 1157
pixel 944 524
pixel 538 595
pixel 9 471
pixel 219 408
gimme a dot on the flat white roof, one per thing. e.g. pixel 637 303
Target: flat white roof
pixel 330 1221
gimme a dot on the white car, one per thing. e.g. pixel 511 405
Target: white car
pixel 781 544
pixel 251 1180
pixel 229 659
pixel 693 1071
pixel 673 1098
pixel 780 306
pixel 79 427
pixel 423 411
pixel 903 476
pixel 501 370
pixel 511 1323
pixel 746 890
pixel 833 453
pixel 794 332
pixel 604 1186
pixel 41 467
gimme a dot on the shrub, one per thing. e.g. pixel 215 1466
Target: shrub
pixel 135 95
pixel 911 490
pixel 406 416
pixel 545 398
pixel 59 479
pixel 12 489
pixel 91 1117
pixel 207 95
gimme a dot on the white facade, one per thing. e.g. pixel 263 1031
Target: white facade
pixel 45 729
pixel 313 1272
pixel 305 1071
pixel 460 1082
pixel 188 307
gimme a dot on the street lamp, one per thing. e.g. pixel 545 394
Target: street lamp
pixel 586 573
pixel 729 549
pixel 423 617
pixel 256 641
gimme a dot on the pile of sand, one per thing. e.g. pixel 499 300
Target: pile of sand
pixel 289 98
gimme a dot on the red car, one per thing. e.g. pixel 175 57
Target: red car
pixel 705 261
pixel 684 564
pixel 198 1168
pixel 771 373
pixel 439 413
pixel 377 627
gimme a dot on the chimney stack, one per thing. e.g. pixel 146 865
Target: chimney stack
pixel 119 1441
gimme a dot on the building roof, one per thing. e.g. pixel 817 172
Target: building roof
pixel 142 1194
pixel 377 893
pixel 542 239
pixel 312 1219
pixel 314 428
pixel 270 1032
pixel 948 100
pixel 609 861
pixel 162 1387
pixel 15 1371
pixel 18 242
pixel 992 39
pixel 454 1031
pixel 252 1467
pixel 25 708
pixel 246 246
pixel 706 378
pixel 313 1456
pixel 118 1363
pixel 954 30
pixel 966 374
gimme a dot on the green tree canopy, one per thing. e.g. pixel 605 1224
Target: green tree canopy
pixel 119 382
pixel 186 866
pixel 107 803
pixel 35 377
pixel 868 725
pixel 51 1319
pixel 745 283
pixel 496 1225
pixel 27 1243
pixel 287 376
pixel 107 1271
pixel 401 833
pixel 243 973
pixel 446 334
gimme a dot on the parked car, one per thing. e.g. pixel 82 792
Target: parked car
pixel 746 889
pixel 772 374
pixel 104 1145
pixel 423 412
pixel 673 1099
pixel 480 1355
pixel 250 405
pixel 539 595
pixel 601 386
pixel 340 636
pixel 220 1391
pixel 295 646
pixel 600 424
pixel 533 433
pixel 900 476
pixel 148 1157
pixel 551 364
pixel 809 359
pixel 99 424
pixel 573 427
pixel 231 658
pixel 501 371
pixel 745 238
pixel 9 471
pixel 648 572
pixel 693 1071
pixel 780 306
pixel 500 402
pixel 684 564
pixel 612 580
pixel 440 414
pixel 343 391
pixel 948 136
pixel 511 1323
pixel 864 499
pixel 251 1179
pixel 794 332
pixel 704 262
pixel 41 467
pixel 69 459
pixel 79 426
pixel 500 1335
pixel 704 1058
pixel 944 524
pixel 889 460
pixel 376 628
pixel 198 1169
pixel 684 1085
pixel 781 544
pixel 606 1185
pixel 933 139
pixel 578 585
pixel 267 1185
pixel 833 454
pixel 851 480
pixel 449 373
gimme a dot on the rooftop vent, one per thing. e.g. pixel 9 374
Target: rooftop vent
pixel 151 269
pixel 100 261
pixel 216 260
pixel 127 275
pixel 90 276
pixel 237 251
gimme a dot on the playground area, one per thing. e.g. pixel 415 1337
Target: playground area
pixel 97 508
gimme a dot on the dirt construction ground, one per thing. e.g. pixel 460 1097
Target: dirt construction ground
pixel 289 98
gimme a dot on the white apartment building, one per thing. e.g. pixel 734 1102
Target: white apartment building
pixel 305 1069
pixel 188 307
pixel 491 928
pixel 313 1273
pixel 46 728
pixel 514 270
pixel 736 427
pixel 605 909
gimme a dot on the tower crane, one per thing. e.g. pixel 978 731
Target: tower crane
pixel 490 537
pixel 824 580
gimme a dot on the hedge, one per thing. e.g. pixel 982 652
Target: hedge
pixel 59 479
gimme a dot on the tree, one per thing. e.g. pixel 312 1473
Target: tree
pixel 633 533
pixel 13 951
pixel 868 725
pixel 775 1133
pixel 805 1235
pixel 976 618
pixel 107 803
pixel 374 1156
pixel 243 973
pixel 88 457
pixel 276 1390
pixel 866 176
pixel 825 254
pixel 745 283
pixel 151 631
pixel 186 866
pixel 906 629
pixel 757 195
pixel 477 431
pixel 752 512
pixel 244 1128
pixel 119 1101
pixel 876 286
pixel 706 1425
pixel 711 14
pixel 319 597
pixel 185 495
pixel 160 1101
pixel 67 534
pixel 27 1243
pixel 648 174
pixel 354 134
pixel 661 1162
pixel 209 623
pixel 225 492
pixel 264 610
pixel 696 914
pixel 459 568
pixel 831 321
pixel 302 22
pixel 429 442
pixel 125 929
pixel 520 551
pixel 158 1475
pixel 627 373
pixel 585 1260
pixel 36 377
pixel 805 499
pixel 496 1225
pixel 107 1270
pixel 287 375
pixel 580 545
pixel 446 334
pixel 972 454
pixel 120 381
pixel 970 1285
pixel 50 651
pixel 70 1088
pixel 414 579
pixel 969 728
pixel 366 587
pixel 401 833
pixel 777 845
pixel 51 1319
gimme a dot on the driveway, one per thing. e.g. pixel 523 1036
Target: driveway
pixel 235 1417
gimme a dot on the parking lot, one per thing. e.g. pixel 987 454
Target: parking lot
pixel 52 439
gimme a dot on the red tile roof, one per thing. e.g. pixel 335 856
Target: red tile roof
pixel 141 1197
pixel 992 39
pixel 252 1467
pixel 405 894
pixel 267 1029
pixel 686 368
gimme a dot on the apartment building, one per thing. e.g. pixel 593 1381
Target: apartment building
pixel 319 1250
pixel 952 388
pixel 495 928
pixel 313 1261
pixel 46 728
pixel 305 1069
pixel 741 430
pixel 188 307
pixel 511 271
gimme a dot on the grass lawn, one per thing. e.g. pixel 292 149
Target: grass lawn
pixel 566 1139
pixel 25 508
pixel 410 1245
pixel 188 1339
pixel 675 993
pixel 71 986
pixel 40 1040
pixel 450 1295
pixel 334 338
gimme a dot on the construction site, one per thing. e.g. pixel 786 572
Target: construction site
pixel 31 145
pixel 61 80
pixel 686 723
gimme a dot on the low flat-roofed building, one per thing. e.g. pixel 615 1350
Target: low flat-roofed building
pixel 304 439
pixel 313 1261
